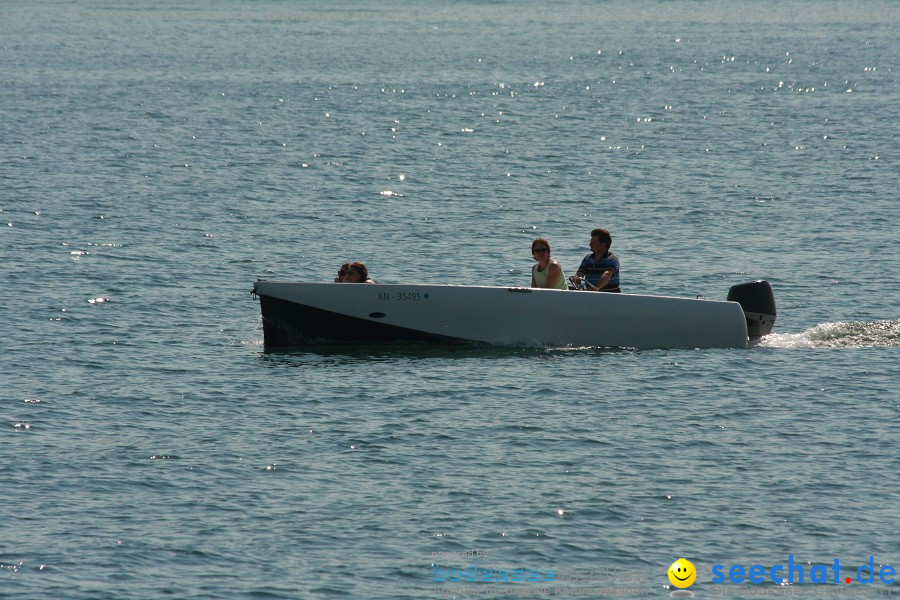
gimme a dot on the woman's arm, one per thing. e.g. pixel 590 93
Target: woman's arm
pixel 554 273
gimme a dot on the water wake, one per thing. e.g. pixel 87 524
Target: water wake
pixel 856 334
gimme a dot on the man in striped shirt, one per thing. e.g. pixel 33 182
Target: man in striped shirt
pixel 600 269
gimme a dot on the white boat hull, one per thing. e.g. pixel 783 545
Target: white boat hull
pixel 298 314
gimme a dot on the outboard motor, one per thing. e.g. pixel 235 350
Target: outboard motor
pixel 758 302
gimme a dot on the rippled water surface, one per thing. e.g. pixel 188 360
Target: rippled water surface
pixel 158 159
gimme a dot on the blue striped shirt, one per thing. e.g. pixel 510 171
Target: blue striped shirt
pixel 594 269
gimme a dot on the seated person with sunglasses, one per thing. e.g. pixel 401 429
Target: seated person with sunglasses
pixel 342 273
pixel 546 273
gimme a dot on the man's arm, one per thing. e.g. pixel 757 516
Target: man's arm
pixel 601 283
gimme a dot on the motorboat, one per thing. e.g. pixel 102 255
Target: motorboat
pixel 296 314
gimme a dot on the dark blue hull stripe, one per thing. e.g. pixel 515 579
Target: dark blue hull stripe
pixel 291 324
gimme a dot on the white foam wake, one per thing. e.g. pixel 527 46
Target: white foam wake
pixel 856 334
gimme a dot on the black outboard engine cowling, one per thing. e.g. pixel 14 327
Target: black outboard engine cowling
pixel 758 302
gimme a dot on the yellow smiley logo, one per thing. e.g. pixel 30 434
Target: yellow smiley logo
pixel 682 573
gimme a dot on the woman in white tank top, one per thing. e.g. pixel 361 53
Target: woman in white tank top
pixel 547 273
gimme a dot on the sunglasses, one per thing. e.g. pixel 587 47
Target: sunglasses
pixel 539 250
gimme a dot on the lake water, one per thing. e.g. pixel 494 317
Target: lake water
pixel 158 159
